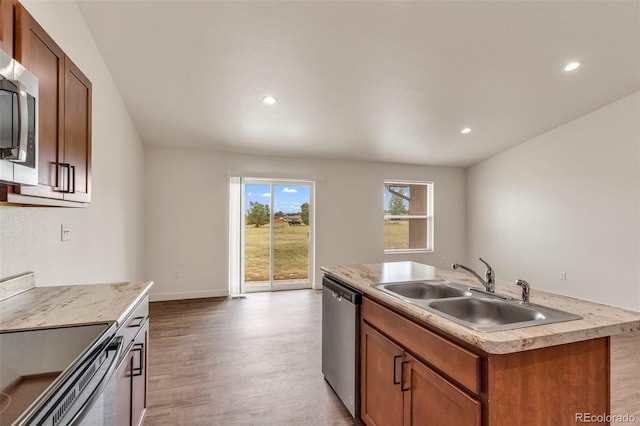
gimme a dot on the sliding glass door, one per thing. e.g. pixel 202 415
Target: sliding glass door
pixel 277 234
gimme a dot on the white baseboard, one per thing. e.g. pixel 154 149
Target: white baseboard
pixel 159 297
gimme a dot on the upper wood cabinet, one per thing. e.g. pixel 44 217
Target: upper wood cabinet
pixel 45 59
pixel 6 25
pixel 76 149
pixel 64 163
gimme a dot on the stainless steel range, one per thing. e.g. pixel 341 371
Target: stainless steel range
pixel 58 376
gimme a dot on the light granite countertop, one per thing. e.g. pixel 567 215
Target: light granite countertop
pixel 71 304
pixel 598 320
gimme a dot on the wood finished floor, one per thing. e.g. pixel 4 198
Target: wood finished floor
pixel 256 361
pixel 253 361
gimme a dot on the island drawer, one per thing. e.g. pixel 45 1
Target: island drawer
pixel 452 360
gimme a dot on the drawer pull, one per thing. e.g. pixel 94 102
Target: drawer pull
pixel 139 323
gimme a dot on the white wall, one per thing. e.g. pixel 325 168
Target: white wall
pixel 566 201
pixel 106 238
pixel 186 201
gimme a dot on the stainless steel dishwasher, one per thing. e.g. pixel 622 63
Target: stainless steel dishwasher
pixel 340 341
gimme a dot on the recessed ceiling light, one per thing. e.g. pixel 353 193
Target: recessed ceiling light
pixel 269 100
pixel 571 66
pixel 465 130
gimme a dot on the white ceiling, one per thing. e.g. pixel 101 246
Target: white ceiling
pixel 366 80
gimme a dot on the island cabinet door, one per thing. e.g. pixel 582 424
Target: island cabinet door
pixel 381 397
pixel 431 400
pixel 123 392
pixel 140 353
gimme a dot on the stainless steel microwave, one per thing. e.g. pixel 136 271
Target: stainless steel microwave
pixel 18 123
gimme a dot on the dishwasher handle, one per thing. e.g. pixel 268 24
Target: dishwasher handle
pixel 342 292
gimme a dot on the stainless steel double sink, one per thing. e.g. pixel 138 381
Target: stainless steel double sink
pixel 476 310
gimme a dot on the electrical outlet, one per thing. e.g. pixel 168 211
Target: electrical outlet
pixel 65 233
pixel 563 276
pixel 176 275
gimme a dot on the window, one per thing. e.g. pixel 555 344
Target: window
pixel 408 216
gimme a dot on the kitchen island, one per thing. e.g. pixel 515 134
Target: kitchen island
pixel 548 374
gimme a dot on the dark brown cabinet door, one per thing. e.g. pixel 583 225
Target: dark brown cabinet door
pixel 431 400
pixel 6 26
pixel 42 56
pixel 77 133
pixel 123 390
pixel 381 362
pixel 139 376
pixel 131 381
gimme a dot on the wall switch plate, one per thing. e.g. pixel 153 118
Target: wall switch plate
pixel 65 233
pixel 563 276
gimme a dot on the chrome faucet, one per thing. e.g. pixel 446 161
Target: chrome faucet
pixel 489 281
pixel 526 291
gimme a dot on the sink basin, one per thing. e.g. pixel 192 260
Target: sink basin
pixel 487 314
pixel 486 311
pixel 476 310
pixel 424 290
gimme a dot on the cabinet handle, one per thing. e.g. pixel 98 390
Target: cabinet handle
pixel 72 180
pixel 67 167
pixel 138 324
pixel 60 187
pixel 67 185
pixel 395 358
pixel 137 371
pixel 402 388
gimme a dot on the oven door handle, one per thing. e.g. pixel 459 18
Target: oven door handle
pixel 113 353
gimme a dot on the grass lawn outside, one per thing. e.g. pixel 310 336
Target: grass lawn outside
pixel 396 234
pixel 291 253
pixel 291 250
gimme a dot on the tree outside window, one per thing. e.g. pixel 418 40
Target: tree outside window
pixel 258 214
pixel 408 216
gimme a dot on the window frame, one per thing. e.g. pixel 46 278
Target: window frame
pixel 429 216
